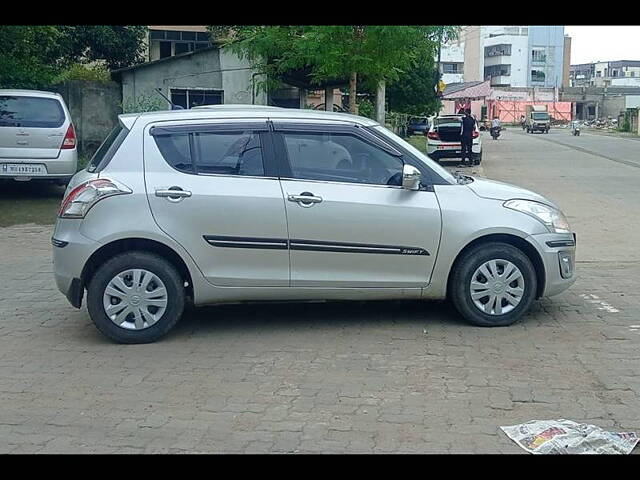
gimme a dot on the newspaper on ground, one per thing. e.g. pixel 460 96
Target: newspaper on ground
pixel 565 436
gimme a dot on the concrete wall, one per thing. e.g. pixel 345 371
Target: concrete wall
pixel 94 108
pixel 207 69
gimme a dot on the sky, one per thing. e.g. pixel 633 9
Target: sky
pixel 603 42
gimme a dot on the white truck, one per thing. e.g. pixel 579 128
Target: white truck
pixel 537 119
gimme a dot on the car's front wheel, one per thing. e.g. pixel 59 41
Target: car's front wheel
pixel 493 284
pixel 135 297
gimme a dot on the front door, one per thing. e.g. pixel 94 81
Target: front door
pixel 210 189
pixel 351 224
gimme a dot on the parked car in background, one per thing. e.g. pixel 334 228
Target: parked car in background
pixel 417 126
pixel 444 139
pixel 37 137
pixel 260 204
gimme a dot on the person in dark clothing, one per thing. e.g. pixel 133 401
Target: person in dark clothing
pixel 466 137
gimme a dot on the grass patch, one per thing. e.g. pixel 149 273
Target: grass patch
pixel 418 141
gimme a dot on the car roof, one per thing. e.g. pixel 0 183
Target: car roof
pixel 28 93
pixel 235 112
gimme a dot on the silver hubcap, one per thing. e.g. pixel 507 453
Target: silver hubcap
pixel 135 299
pixel 497 287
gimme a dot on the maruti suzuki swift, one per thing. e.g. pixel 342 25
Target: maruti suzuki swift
pixel 248 204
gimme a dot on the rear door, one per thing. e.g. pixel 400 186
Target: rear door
pixel 31 127
pixel 212 189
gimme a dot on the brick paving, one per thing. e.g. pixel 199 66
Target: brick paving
pixel 395 377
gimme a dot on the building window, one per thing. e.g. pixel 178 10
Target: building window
pixel 538 55
pixel 537 76
pixel 453 67
pixel 189 98
pixel 496 50
pixel 175 42
pixel 633 74
pixel 165 49
pixel 497 70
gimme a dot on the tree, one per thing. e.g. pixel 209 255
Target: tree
pixel 32 56
pixel 28 55
pixel 366 53
pixel 118 46
pixel 414 91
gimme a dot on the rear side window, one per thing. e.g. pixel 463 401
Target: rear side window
pixel 107 150
pixel 31 112
pixel 217 153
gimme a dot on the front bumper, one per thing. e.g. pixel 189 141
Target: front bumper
pixel 557 251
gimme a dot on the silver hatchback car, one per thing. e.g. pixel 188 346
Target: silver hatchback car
pixel 37 137
pixel 233 204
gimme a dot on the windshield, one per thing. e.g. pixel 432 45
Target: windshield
pixel 418 154
pixel 540 116
pixel 32 112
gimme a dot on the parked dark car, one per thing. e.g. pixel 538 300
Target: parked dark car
pixel 418 126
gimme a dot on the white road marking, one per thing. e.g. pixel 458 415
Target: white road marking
pixel 599 304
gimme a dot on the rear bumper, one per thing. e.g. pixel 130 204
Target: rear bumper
pixel 71 250
pixel 433 152
pixel 63 167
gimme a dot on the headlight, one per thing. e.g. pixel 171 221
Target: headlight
pixel 552 218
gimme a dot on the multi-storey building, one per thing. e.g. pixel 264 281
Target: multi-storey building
pixel 606 74
pixel 516 56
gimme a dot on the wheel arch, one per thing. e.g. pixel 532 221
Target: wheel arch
pixel 520 243
pixel 122 245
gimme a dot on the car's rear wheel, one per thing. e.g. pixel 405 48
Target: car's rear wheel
pixel 135 297
pixel 493 284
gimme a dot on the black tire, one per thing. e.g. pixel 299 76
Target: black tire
pixel 154 264
pixel 460 286
pixel 477 159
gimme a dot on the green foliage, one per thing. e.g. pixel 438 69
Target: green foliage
pixel 87 73
pixel 28 55
pixel 333 52
pixel 145 102
pixel 626 124
pixel 366 108
pixel 414 91
pixel 35 56
pixel 118 45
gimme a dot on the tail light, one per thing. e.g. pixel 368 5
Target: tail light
pixel 69 141
pixel 433 136
pixel 79 200
pixel 475 134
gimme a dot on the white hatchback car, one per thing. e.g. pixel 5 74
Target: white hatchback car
pixel 228 204
pixel 37 137
pixel 444 142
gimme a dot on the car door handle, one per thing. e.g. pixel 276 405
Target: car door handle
pixel 305 199
pixel 173 194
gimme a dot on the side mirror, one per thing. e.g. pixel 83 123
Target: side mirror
pixel 410 177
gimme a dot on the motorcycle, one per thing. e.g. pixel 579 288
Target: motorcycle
pixel 575 129
pixel 495 132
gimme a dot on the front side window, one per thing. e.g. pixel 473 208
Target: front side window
pixel 222 153
pixel 341 157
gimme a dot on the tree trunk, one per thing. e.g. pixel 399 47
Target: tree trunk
pixel 380 101
pixel 353 106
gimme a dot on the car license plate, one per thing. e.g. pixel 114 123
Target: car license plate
pixel 23 169
pixel 448 147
